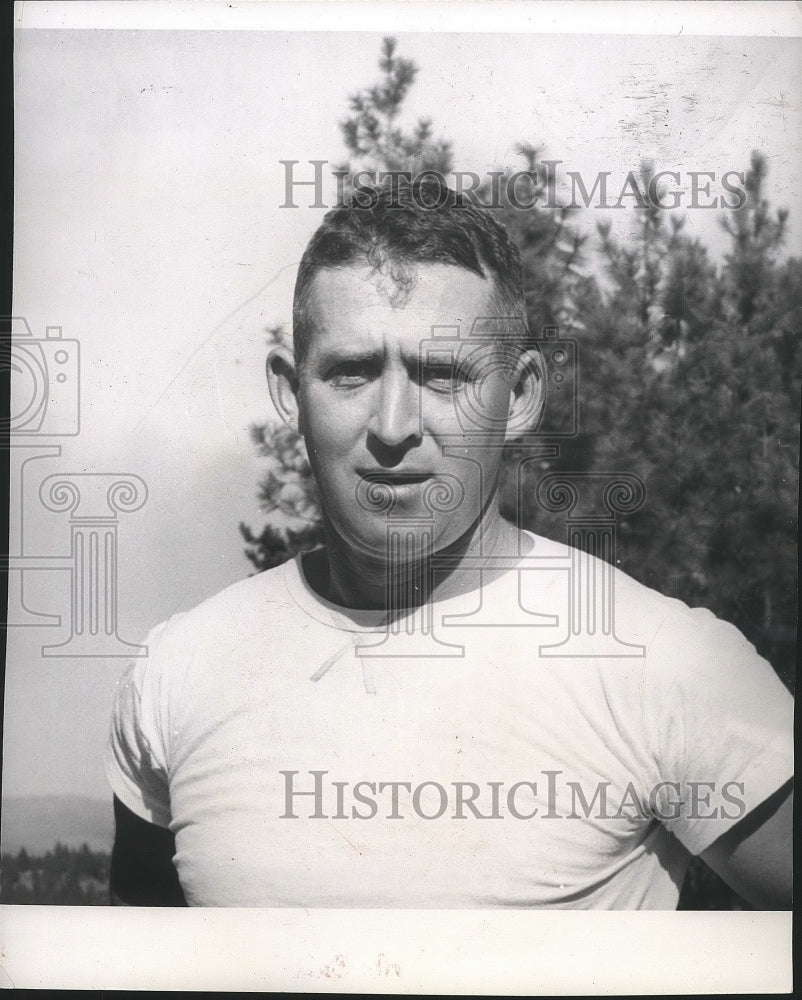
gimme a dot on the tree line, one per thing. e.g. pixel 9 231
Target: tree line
pixel 64 876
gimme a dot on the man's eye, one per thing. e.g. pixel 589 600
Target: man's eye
pixel 348 376
pixel 444 378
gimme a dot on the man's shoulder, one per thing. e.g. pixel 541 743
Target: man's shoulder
pixel 230 609
pixel 679 638
pixel 640 611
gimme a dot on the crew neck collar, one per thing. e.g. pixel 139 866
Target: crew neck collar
pixel 360 619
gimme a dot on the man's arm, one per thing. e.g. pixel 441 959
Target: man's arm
pixel 142 870
pixel 755 857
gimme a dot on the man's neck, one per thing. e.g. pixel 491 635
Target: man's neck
pixel 342 577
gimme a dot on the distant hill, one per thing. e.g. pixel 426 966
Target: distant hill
pixel 38 822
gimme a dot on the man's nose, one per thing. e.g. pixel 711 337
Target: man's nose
pixel 396 416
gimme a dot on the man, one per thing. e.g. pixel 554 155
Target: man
pixel 390 719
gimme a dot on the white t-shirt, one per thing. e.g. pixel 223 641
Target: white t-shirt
pixel 466 765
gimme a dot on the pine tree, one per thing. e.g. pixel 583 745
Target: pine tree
pixel 752 545
pixel 681 362
pixel 374 140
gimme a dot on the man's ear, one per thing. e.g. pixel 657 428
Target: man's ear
pixel 527 395
pixel 282 381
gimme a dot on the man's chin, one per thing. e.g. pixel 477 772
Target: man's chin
pixel 378 540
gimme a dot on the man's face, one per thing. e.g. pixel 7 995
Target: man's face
pixel 384 428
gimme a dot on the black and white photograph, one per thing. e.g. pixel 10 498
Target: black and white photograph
pixel 403 488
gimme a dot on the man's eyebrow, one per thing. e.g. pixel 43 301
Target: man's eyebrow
pixel 332 355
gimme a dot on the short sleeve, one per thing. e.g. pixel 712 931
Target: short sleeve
pixel 136 757
pixel 721 726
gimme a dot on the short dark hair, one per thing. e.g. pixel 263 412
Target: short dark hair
pixel 406 224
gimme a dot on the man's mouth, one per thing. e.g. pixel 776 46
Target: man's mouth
pixel 392 477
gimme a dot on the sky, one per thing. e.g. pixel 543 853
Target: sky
pixel 148 227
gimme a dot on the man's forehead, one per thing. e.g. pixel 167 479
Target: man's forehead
pixel 401 284
pixel 431 296
pixel 349 311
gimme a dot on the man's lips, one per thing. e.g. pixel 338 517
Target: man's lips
pixel 395 477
